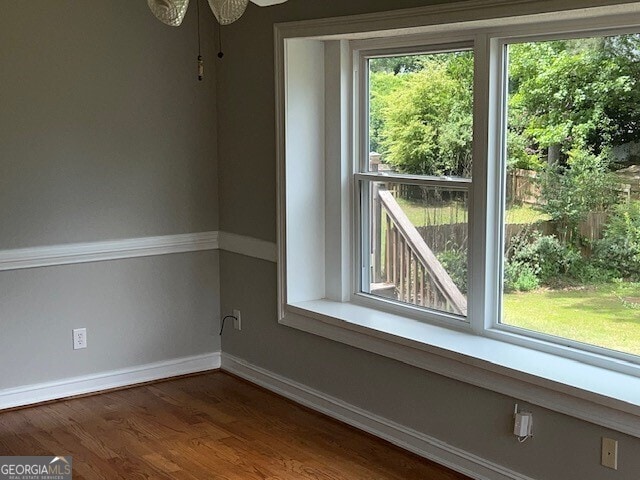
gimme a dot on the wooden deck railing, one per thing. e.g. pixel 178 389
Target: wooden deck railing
pixel 410 265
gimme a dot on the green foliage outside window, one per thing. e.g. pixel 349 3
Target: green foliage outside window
pixel 570 102
pixel 585 184
pixel 423 124
pixel 619 250
pixel 564 95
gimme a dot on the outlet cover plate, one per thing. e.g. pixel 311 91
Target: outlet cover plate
pixel 237 321
pixel 79 338
pixel 610 453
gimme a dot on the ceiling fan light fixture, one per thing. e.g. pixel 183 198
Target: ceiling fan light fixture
pixel 169 12
pixel 267 3
pixel 228 11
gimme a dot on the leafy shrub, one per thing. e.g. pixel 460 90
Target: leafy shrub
pixel 554 259
pixel 524 251
pixel 520 277
pixel 584 271
pixel 519 155
pixel 571 192
pixel 523 264
pixel 426 127
pixel 536 259
pixel 454 262
pixel 619 250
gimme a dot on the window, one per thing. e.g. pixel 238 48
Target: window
pixel 466 189
pixel 414 200
pixel 570 230
pixel 572 217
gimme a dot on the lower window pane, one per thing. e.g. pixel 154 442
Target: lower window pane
pixel 418 246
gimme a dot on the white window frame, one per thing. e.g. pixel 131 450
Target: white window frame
pixel 316 284
pixel 501 331
pixel 361 54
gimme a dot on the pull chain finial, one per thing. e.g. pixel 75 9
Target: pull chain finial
pixel 200 61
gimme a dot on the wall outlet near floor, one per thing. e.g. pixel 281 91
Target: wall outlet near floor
pixel 79 338
pixel 237 321
pixel 522 424
pixel 610 453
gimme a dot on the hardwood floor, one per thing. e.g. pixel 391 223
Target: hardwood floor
pixel 210 426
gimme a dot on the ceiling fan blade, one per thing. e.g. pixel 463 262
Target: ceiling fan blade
pixel 169 12
pixel 267 3
pixel 228 11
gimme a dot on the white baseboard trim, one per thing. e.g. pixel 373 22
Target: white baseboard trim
pixel 72 253
pixel 406 438
pixel 69 387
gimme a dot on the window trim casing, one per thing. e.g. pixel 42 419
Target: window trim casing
pixel 305 318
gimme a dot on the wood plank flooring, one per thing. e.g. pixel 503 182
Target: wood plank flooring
pixel 210 426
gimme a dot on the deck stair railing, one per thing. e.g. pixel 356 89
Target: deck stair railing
pixel 409 266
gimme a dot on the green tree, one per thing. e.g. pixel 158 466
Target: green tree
pixel 383 87
pixel 619 250
pixel 584 185
pixel 396 65
pixel 428 124
pixel 571 94
pixel 564 95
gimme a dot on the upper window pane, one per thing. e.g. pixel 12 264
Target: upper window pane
pixel 572 232
pixel 420 113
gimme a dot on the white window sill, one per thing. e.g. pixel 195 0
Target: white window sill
pixel 591 393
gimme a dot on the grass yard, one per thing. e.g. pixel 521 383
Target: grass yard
pixel 525 214
pixel 603 315
pixel 456 212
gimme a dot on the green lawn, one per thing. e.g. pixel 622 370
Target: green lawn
pixel 604 315
pixel 523 214
pixel 455 212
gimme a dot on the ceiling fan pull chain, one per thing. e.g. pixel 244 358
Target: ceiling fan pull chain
pixel 220 52
pixel 200 61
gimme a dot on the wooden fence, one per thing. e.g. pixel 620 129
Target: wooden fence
pixel 442 238
pixel 523 188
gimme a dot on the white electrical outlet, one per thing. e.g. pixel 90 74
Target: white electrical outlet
pixel 522 424
pixel 79 338
pixel 237 321
pixel 610 453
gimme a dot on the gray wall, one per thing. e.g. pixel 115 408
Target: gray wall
pixel 105 133
pixel 471 418
pixel 136 311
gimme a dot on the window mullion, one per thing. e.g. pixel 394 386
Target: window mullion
pixel 483 246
